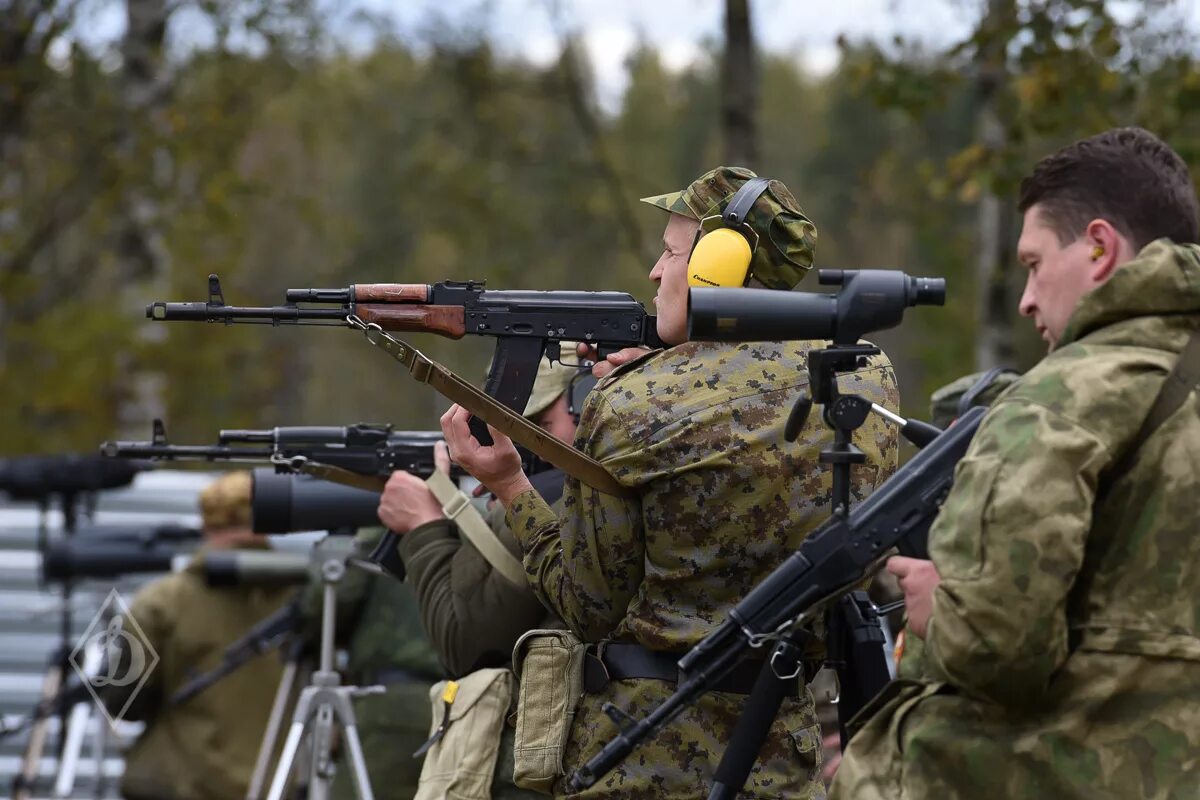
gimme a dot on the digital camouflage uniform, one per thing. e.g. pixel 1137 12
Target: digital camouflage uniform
pixel 205 747
pixel 1063 652
pixel 722 498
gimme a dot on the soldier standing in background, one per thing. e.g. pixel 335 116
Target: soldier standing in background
pixel 718 499
pixel 204 748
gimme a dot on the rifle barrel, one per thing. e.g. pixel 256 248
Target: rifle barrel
pixel 214 312
pixel 172 451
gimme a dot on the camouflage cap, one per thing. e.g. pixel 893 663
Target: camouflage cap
pixel 225 503
pixel 944 403
pixel 553 378
pixel 787 238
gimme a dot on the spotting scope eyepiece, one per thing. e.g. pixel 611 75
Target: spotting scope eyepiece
pixel 869 300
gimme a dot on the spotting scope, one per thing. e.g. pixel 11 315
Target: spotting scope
pixel 869 300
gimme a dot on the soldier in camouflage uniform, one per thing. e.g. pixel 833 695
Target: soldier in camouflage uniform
pixel 204 747
pixel 721 498
pixel 472 613
pixel 1061 615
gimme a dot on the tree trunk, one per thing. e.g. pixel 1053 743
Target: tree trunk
pixel 994 302
pixel 739 88
pixel 141 242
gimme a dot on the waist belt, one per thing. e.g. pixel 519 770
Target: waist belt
pixel 619 661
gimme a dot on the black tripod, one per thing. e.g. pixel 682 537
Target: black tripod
pixel 844 413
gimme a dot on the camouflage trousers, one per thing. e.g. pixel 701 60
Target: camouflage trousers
pixel 1111 727
pixel 682 759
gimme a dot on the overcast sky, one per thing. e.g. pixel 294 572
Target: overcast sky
pixel 806 30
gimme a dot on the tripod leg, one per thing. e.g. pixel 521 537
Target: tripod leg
pixel 321 770
pixel 286 759
pixel 754 724
pixel 358 763
pixel 271 736
pixel 68 763
pixel 32 758
pixel 99 748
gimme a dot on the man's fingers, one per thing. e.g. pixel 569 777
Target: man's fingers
pixel 441 457
pixel 901 566
pixel 498 438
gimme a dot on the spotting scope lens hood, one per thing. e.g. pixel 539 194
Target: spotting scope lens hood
pixel 284 503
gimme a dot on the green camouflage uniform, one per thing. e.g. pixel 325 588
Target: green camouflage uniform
pixel 473 614
pixel 205 747
pixel 380 626
pixel 722 498
pixel 943 409
pixel 1063 652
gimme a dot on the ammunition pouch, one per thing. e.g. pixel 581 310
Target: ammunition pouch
pixel 464 744
pixel 549 669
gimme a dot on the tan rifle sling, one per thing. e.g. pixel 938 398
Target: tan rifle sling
pixel 562 455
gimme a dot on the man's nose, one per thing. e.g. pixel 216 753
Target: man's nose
pixel 1028 304
pixel 656 271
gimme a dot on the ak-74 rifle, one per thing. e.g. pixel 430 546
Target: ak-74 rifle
pixel 362 455
pixel 527 325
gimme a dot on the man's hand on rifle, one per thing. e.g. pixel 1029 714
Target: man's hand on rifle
pixel 603 366
pixel 497 467
pixel 407 503
pixel 918 578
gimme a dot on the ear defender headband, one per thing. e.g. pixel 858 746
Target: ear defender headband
pixel 724 244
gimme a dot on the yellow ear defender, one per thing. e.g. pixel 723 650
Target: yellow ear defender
pixel 724 244
pixel 1097 251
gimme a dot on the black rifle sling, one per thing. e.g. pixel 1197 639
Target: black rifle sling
pixel 1180 383
pixel 586 469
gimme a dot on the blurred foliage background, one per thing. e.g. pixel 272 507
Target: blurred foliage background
pixel 280 156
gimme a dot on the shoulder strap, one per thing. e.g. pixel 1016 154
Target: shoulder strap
pixel 586 469
pixel 1180 382
pixel 457 506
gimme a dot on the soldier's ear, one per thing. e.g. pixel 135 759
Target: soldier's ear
pixel 1105 243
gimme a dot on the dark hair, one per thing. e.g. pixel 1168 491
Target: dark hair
pixel 1127 176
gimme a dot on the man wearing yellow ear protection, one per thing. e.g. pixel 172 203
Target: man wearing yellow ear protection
pixel 718 499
